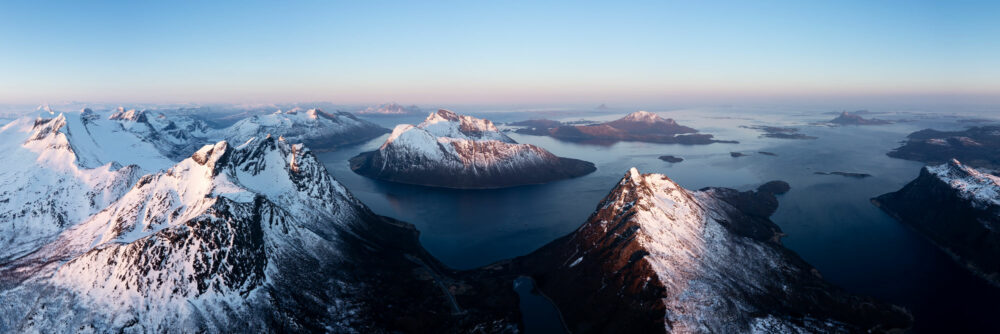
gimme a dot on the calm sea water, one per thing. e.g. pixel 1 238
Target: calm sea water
pixel 828 219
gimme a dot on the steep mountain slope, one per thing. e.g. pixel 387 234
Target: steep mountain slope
pixel 655 257
pixel 315 128
pixel 958 208
pixel 456 151
pixel 253 238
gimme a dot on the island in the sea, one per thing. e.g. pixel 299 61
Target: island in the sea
pixel 778 132
pixel 847 118
pixel 671 159
pixel 976 146
pixel 457 151
pixel 640 126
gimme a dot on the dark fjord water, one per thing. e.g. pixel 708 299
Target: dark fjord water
pixel 828 219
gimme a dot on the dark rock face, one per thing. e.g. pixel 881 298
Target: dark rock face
pixel 966 228
pixel 638 126
pixel 976 146
pixel 775 187
pixel 671 159
pixel 847 118
pixel 623 271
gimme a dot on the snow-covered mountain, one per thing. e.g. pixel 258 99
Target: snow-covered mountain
pixel 59 170
pixel 644 122
pixel 958 208
pixel 174 136
pixel 655 257
pixel 458 151
pixel 390 109
pixel 314 127
pixel 256 238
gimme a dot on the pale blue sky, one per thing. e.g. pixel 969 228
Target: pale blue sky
pixel 498 51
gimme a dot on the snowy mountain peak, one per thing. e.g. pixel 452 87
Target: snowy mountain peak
pixel 442 115
pixel 982 188
pixel 212 155
pixel 668 259
pixel 314 127
pixel 45 108
pixel 459 151
pixel 643 116
pixel 445 123
pixel 129 115
pixel 50 139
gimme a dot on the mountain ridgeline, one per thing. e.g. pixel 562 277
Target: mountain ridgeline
pixel 957 207
pixel 657 258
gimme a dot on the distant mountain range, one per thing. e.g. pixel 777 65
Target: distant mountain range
pixel 391 109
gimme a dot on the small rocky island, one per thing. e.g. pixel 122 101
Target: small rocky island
pixel 641 126
pixel 958 208
pixel 846 118
pixel 778 132
pixel 976 146
pixel 456 151
pixel 671 159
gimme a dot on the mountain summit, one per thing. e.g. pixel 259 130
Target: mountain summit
pixel 655 257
